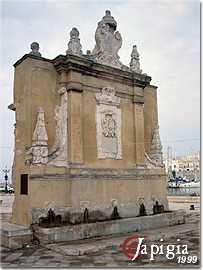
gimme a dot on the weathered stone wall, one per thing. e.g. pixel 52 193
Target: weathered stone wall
pixel 36 84
pixel 82 192
pixel 126 194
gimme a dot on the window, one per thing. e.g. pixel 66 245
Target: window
pixel 24 184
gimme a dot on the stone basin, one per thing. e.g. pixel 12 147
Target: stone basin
pixel 111 227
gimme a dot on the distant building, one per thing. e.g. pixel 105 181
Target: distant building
pixel 186 166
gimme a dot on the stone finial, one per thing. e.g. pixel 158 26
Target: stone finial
pixel 108 19
pixel 74 46
pixel 108 42
pixel 135 60
pixel 35 49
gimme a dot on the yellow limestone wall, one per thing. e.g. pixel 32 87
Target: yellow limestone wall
pixel 35 85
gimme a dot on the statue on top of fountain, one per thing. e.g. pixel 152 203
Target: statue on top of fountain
pixel 108 42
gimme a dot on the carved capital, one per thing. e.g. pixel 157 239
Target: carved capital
pixel 74 86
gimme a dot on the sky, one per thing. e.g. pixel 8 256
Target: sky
pixel 167 35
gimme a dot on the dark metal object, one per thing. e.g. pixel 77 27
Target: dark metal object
pixel 158 208
pixel 51 220
pixel 6 171
pixel 115 214
pixel 142 211
pixel 86 215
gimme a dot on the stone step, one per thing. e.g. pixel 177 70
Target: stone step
pixel 15 236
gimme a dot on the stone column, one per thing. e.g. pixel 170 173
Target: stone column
pixel 75 131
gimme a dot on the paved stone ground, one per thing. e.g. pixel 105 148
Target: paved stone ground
pixel 105 252
pixel 6 202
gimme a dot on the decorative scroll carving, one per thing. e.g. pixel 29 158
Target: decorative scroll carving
pixel 74 46
pixel 39 148
pixel 155 157
pixel 149 163
pixel 108 119
pixel 108 42
pixel 135 60
pixel 109 126
pixel 107 96
pixel 59 153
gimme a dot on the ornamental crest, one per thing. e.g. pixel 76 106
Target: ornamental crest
pixel 108 42
pixel 109 126
pixel 108 96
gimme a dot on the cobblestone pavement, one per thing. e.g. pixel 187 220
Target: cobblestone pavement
pixel 106 252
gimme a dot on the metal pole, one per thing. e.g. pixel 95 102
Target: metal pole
pixel 6 171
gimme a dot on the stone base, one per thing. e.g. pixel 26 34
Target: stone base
pixel 15 236
pixel 125 225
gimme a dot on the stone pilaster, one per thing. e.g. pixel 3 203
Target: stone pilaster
pixel 138 101
pixel 139 133
pixel 75 131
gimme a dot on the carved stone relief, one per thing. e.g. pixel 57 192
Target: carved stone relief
pixel 155 156
pixel 148 162
pixel 39 148
pixel 59 152
pixel 108 42
pixel 108 120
